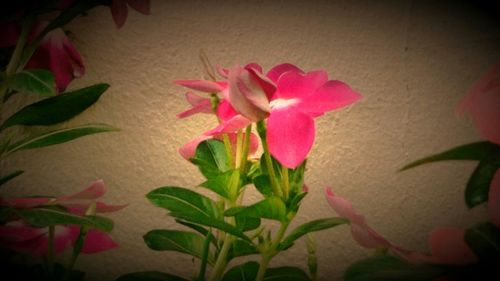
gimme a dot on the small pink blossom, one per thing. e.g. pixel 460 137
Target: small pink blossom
pixel 55 52
pixel 447 244
pixel 20 236
pixel 482 102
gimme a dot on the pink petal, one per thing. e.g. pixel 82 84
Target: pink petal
pixel 295 85
pixel 254 66
pixel 201 85
pixel 17 231
pixel 97 241
pixel 142 6
pixel 81 208
pixel 224 72
pixel 59 55
pixel 200 105
pixel 246 94
pixel 363 234
pixel 188 150
pixel 232 125
pixel 332 95
pixel 290 135
pixel 494 199
pixel 275 73
pixel 448 246
pixel 483 104
pixel 94 191
pixel 225 111
pixel 119 12
pixel 266 84
pixel 39 245
pixel 104 208
pixel 367 237
pixel 343 207
pixel 29 202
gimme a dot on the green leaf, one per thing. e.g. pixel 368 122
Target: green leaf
pixel 56 109
pixel 190 206
pixel 211 158
pixel 241 248
pixel 286 273
pixel 34 81
pixel 263 185
pixel 270 208
pixel 389 268
pixel 484 240
pixel 312 226
pixel 150 276
pixel 43 217
pixel 221 183
pixel 10 176
pixel 200 229
pixel 179 241
pixel 248 272
pixel 472 151
pixel 478 185
pixel 245 222
pixel 242 272
pixel 59 136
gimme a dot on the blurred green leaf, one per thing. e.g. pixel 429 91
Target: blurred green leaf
pixel 484 240
pixel 479 183
pixel 211 158
pixel 179 241
pixel 200 229
pixel 59 136
pixel 34 81
pixel 43 217
pixel 269 208
pixel 5 179
pixel 245 222
pixel 56 109
pixel 312 226
pixel 389 268
pixel 149 276
pixel 285 273
pixel 263 185
pixel 472 151
pixel 190 206
pixel 241 248
pixel 242 272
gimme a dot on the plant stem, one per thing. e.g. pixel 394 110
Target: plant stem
pixel 269 162
pixel 246 148
pixel 220 264
pixel 204 257
pixel 285 181
pixel 239 144
pixel 50 250
pixel 271 251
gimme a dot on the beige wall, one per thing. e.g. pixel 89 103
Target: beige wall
pixel 411 62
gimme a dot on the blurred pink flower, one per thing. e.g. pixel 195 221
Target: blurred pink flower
pixel 447 244
pixel 482 102
pixel 19 236
pixel 55 52
pixel 119 9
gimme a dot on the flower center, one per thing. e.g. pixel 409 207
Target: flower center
pixel 282 103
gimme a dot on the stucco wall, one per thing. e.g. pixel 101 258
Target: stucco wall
pixel 411 60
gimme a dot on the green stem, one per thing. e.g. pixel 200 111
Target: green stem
pixel 239 150
pixel 204 257
pixel 285 181
pixel 50 250
pixel 269 162
pixel 271 251
pixel 220 264
pixel 246 148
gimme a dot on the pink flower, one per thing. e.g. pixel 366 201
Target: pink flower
pixel 20 236
pixel 55 52
pixel 119 9
pixel 447 244
pixel 483 104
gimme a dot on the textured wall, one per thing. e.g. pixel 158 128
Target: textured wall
pixel 411 61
